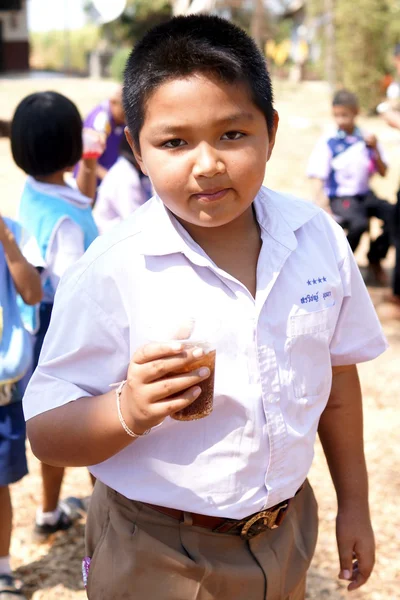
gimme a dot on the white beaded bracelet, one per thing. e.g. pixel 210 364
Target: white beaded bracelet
pixel 129 431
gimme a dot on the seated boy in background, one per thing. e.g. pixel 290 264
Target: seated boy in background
pixel 342 164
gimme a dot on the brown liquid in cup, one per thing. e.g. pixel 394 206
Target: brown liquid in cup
pixel 203 404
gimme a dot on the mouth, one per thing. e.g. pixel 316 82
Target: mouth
pixel 211 195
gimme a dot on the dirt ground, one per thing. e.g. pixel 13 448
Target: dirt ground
pixel 52 570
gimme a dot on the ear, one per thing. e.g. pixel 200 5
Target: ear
pixel 136 151
pixel 272 135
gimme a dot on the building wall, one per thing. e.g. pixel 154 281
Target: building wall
pixel 15 42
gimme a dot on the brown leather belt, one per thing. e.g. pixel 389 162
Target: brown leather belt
pixel 247 528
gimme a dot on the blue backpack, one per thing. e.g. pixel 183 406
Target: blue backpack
pixel 15 341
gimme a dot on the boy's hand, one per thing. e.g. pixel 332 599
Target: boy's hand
pixel 371 141
pixel 356 546
pixel 154 390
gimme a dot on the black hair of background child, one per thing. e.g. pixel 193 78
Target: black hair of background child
pixel 46 134
pixel 188 45
pixel 345 98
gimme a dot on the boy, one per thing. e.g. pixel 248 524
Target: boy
pixel 18 254
pixel 342 164
pixel 217 508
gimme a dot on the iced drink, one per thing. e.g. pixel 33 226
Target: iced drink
pixel 203 404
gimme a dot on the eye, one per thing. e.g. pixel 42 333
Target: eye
pixel 232 135
pixel 175 143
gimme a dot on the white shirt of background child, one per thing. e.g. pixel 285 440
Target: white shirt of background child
pixel 274 351
pixel 67 244
pixel 119 195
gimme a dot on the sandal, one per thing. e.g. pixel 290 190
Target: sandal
pixel 10 588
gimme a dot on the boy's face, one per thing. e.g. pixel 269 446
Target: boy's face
pixel 345 117
pixel 204 145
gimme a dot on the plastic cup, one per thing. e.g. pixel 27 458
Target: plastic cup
pixel 93 145
pixel 192 332
pixel 203 405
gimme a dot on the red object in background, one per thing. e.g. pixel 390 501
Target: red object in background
pixel 386 80
pixel 93 144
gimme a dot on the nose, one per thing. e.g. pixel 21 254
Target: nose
pixel 208 163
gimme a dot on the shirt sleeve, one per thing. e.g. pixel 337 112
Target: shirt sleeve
pixel 65 248
pixel 319 164
pixel 30 249
pixel 358 334
pixel 83 353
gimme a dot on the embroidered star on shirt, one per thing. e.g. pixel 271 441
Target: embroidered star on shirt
pixel 324 279
pixel 319 280
pixel 314 281
pixel 308 282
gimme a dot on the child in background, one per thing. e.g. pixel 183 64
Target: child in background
pixel 19 255
pixel 122 191
pixel 342 164
pixel 46 142
pixel 108 120
pixel 217 508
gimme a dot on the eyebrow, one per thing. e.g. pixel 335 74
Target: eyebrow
pixel 167 128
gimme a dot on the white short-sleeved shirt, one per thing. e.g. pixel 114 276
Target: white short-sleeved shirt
pixel 119 195
pixel 274 353
pixel 66 245
pixel 344 162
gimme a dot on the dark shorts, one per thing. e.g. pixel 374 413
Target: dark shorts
pixel 44 322
pixel 13 466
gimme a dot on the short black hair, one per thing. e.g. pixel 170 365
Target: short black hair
pixel 345 98
pixel 192 44
pixel 46 134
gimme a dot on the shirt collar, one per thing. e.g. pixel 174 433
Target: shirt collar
pixel 65 192
pixel 279 216
pixel 356 135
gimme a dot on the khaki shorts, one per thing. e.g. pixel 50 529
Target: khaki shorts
pixel 138 553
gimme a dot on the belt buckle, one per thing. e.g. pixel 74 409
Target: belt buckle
pixel 270 519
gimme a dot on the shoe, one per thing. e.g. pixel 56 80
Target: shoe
pixel 75 508
pixel 41 533
pixel 10 588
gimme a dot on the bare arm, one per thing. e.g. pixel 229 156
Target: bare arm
pixel 372 142
pixel 86 178
pixel 381 167
pixel 88 431
pixel 25 276
pixel 392 118
pixel 341 434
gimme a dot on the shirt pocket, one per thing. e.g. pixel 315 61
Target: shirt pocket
pixel 310 361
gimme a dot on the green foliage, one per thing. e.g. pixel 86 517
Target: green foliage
pixel 361 48
pixel 118 63
pixel 48 50
pixel 138 17
pixel 365 35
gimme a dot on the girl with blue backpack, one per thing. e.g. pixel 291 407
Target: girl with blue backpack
pixel 19 255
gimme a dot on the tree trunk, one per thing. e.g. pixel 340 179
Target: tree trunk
pixel 256 24
pixel 330 60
